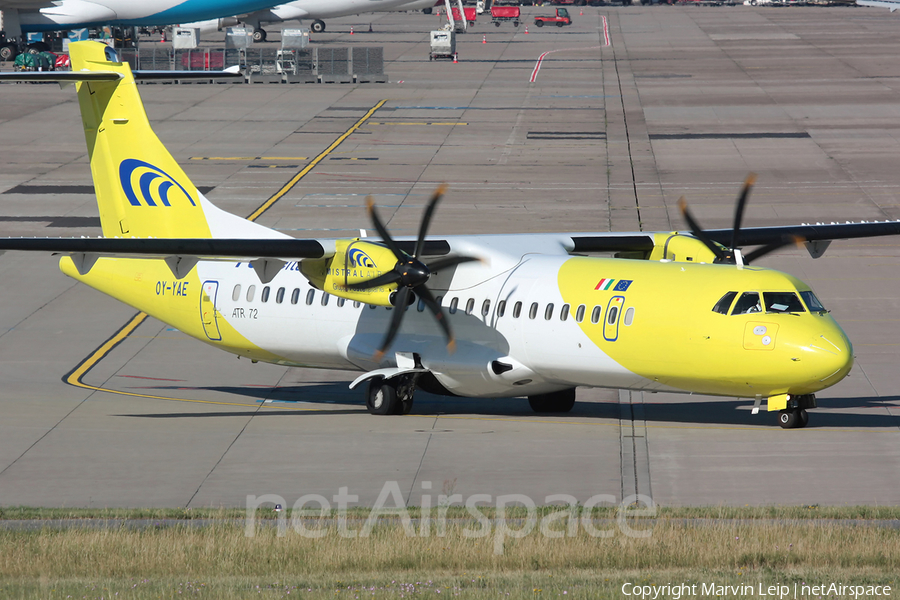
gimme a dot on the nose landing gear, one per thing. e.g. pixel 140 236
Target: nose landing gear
pixel 795 415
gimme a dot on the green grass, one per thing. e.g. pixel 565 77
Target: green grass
pixel 726 546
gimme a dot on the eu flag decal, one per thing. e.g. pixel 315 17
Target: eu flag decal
pixel 622 285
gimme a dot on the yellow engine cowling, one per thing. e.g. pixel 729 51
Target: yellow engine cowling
pixel 353 261
pixel 680 248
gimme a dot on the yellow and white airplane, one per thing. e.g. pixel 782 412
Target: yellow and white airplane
pixel 504 315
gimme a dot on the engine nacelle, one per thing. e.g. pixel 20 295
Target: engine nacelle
pixel 353 261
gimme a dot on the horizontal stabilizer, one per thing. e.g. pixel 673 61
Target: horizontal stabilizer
pixel 76 76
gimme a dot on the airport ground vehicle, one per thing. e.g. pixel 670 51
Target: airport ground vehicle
pixel 561 18
pixel 499 14
pixel 470 12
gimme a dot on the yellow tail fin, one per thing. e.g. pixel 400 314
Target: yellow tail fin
pixel 141 190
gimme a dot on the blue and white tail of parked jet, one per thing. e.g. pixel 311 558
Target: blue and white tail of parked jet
pixel 24 16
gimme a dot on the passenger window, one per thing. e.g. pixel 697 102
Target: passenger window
pixel 595 314
pixel 517 310
pixel 236 294
pixel 780 302
pixel 564 312
pixel 295 296
pixel 629 316
pixel 310 296
pixel 812 303
pixel 265 294
pixel 485 308
pixel 279 296
pixel 421 305
pixel 325 298
pixel 340 301
pixel 501 308
pixel 612 314
pixel 548 312
pixel 747 303
pixel 453 304
pixel 579 314
pixel 724 303
pixel 372 306
pixel 251 290
pixel 470 306
pixel 532 312
pixel 357 304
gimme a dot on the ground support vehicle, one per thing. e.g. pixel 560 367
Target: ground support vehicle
pixel 499 14
pixel 470 12
pixel 443 44
pixel 560 19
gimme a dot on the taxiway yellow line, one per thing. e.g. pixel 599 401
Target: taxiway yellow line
pixel 303 172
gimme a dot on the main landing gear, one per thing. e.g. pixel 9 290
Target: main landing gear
pixel 795 415
pixel 391 396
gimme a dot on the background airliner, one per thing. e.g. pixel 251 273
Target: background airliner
pixel 24 16
pixel 485 316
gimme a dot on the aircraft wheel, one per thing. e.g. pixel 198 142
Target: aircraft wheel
pixel 317 26
pixel 496 23
pixel 804 418
pixel 426 11
pixel 381 398
pixel 789 419
pixel 556 402
pixel 8 52
pixel 259 35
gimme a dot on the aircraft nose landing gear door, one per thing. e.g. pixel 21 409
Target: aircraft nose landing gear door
pixel 208 313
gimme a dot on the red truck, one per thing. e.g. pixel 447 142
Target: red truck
pixel 561 18
pixel 505 13
pixel 470 12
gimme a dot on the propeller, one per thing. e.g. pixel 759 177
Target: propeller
pixel 732 254
pixel 410 274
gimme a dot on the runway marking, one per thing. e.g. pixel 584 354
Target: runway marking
pixel 303 172
pixel 416 123
pixel 75 376
pixel 249 158
pixel 540 60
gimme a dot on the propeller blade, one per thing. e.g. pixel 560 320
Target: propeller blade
pixel 383 279
pixel 768 248
pixel 697 231
pixel 382 231
pixel 426 218
pixel 739 208
pixel 396 318
pixel 446 263
pixel 429 300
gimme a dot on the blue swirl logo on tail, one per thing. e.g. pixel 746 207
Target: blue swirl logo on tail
pixel 154 186
pixel 361 259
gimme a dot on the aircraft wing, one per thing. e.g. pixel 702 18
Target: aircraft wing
pixel 891 5
pixel 200 248
pixel 26 4
pixel 752 236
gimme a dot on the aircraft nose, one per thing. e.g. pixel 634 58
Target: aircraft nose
pixel 834 355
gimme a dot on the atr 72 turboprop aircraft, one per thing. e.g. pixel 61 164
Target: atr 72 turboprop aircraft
pixel 483 316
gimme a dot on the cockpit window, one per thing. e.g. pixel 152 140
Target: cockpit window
pixel 780 302
pixel 747 303
pixel 724 303
pixel 812 303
